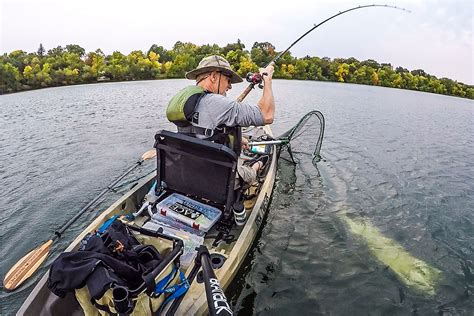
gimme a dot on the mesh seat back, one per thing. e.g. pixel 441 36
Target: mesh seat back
pixel 189 165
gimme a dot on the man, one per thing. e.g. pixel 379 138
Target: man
pixel 207 111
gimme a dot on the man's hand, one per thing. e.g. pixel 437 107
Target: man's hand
pixel 245 143
pixel 268 71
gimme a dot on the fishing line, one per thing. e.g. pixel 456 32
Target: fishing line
pixel 330 18
pixel 256 79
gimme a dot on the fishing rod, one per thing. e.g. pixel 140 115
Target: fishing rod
pixel 257 78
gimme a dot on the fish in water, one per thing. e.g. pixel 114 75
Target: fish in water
pixel 412 271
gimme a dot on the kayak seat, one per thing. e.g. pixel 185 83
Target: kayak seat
pixel 196 167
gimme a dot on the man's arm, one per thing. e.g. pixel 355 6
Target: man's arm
pixel 267 102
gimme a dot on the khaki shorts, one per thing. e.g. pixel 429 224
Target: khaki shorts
pixel 246 173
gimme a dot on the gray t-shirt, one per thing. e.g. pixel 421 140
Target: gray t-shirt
pixel 214 110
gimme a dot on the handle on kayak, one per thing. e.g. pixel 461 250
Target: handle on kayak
pixel 216 299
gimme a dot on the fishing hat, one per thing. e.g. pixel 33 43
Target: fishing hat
pixel 214 63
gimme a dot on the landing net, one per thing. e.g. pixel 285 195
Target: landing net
pixel 306 137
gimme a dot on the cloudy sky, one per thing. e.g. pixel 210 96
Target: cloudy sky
pixel 436 36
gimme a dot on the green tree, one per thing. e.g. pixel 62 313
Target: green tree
pixel 181 48
pixel 43 77
pixel 370 63
pixel 458 90
pixel 342 71
pixel 448 84
pixel 423 83
pixel 164 54
pixel 40 52
pixel 375 78
pixel 75 49
pixel 436 86
pixel 238 58
pixel 314 71
pixel 419 72
pixel 262 53
pixel 94 66
pixel 397 81
pixel 470 92
pixel 166 68
pixel 19 59
pixel 411 81
pixel 246 65
pixel 116 67
pixel 181 64
pixel 364 75
pixel 206 50
pixel 401 70
pixel 57 51
pixel 37 76
pixel 66 76
pixel 20 70
pixel 301 69
pixel 9 78
pixel 325 64
pixel 233 46
pixel 386 75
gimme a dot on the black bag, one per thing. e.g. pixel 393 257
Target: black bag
pixel 114 258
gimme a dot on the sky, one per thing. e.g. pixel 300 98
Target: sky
pixel 437 36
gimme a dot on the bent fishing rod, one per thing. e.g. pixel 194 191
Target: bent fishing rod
pixel 257 78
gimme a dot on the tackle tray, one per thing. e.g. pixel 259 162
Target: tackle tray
pixel 188 211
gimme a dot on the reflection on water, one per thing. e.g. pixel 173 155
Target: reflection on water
pixel 399 160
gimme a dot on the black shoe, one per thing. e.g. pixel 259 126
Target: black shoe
pixel 263 169
pixel 261 158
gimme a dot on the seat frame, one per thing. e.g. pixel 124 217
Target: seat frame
pixel 180 163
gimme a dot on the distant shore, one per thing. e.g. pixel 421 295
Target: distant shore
pixel 22 71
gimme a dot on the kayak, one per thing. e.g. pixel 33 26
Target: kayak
pixel 227 249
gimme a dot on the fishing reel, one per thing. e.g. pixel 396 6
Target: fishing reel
pixel 256 78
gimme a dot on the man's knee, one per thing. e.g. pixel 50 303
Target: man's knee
pixel 247 174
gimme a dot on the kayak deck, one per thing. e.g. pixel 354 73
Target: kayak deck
pixel 42 302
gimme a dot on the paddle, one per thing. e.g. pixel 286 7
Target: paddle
pixel 27 265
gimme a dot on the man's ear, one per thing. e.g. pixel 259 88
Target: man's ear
pixel 213 76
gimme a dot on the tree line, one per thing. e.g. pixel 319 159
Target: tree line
pixel 71 64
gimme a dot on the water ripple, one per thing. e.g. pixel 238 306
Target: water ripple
pixel 399 160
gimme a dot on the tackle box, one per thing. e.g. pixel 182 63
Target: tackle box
pixel 194 214
pixel 167 220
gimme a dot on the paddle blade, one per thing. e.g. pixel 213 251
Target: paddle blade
pixel 149 154
pixel 27 265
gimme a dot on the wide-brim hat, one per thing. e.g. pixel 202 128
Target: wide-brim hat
pixel 214 63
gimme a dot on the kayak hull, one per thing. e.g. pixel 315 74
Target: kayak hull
pixel 195 302
pixel 42 302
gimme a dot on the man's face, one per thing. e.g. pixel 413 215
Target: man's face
pixel 222 83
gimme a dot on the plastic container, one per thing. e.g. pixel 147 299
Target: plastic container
pixel 157 217
pixel 192 213
pixel 191 241
pixel 240 217
pixel 260 149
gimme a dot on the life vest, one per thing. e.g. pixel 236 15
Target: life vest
pixel 181 112
pixel 181 107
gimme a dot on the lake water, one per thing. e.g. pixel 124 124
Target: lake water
pixel 400 162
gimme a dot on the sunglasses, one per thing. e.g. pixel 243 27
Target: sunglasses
pixel 226 75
